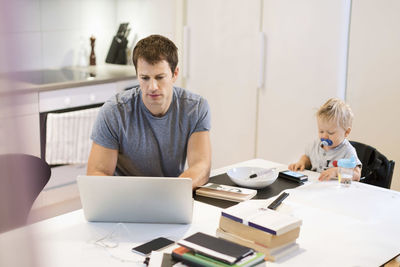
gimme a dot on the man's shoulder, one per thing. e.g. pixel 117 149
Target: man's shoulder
pixel 128 95
pixel 185 95
pixel 123 98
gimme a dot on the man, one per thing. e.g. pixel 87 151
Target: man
pixel 151 129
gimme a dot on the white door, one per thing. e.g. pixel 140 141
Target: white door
pixel 306 45
pixel 373 89
pixel 223 67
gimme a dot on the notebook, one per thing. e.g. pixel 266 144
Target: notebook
pixel 216 248
pixel 136 199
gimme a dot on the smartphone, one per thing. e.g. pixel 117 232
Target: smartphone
pixel 155 244
pixel 294 176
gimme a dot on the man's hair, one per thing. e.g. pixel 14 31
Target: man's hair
pixel 337 111
pixel 154 49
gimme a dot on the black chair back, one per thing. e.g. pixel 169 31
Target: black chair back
pixel 22 178
pixel 376 169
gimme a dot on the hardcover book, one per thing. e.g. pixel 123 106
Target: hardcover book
pixel 232 193
pixel 256 235
pixel 272 254
pixel 216 248
pixel 255 214
pixel 191 258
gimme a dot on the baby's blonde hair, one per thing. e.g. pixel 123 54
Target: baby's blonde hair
pixel 337 111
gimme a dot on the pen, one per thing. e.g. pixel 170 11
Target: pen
pixel 278 201
pixel 261 173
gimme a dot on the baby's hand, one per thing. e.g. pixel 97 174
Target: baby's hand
pixel 298 166
pixel 328 174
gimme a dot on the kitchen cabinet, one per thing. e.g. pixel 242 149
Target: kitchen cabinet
pixel 75 97
pixel 305 64
pixel 19 123
pixel 264 67
pixel 222 66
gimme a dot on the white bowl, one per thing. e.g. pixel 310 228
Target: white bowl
pixel 262 176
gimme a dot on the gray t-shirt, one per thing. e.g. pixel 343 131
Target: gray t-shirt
pixel 148 145
pixel 322 159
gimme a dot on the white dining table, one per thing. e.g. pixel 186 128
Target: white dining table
pixel 357 225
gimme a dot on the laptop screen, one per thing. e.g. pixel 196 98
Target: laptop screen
pixel 136 199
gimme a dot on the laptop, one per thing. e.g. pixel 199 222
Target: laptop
pixel 136 199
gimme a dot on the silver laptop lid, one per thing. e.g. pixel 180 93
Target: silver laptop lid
pixel 136 199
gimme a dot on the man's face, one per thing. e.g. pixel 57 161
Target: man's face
pixel 156 82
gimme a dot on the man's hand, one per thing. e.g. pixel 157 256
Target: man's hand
pixel 199 158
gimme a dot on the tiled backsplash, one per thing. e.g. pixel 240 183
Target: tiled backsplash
pixel 39 34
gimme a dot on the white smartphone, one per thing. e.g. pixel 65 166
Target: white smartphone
pixel 153 245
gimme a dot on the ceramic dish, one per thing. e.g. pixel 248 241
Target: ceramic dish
pixel 253 177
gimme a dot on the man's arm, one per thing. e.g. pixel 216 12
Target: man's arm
pixel 102 160
pixel 199 158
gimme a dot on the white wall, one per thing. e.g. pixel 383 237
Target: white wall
pixel 55 33
pixel 373 89
pixel 147 17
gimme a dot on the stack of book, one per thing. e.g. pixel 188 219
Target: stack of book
pixel 204 250
pixel 253 225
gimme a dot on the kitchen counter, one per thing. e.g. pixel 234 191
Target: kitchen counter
pixel 25 95
pixel 68 77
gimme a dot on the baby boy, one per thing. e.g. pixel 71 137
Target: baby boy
pixel 334 119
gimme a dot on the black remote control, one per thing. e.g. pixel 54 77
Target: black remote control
pixel 278 201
